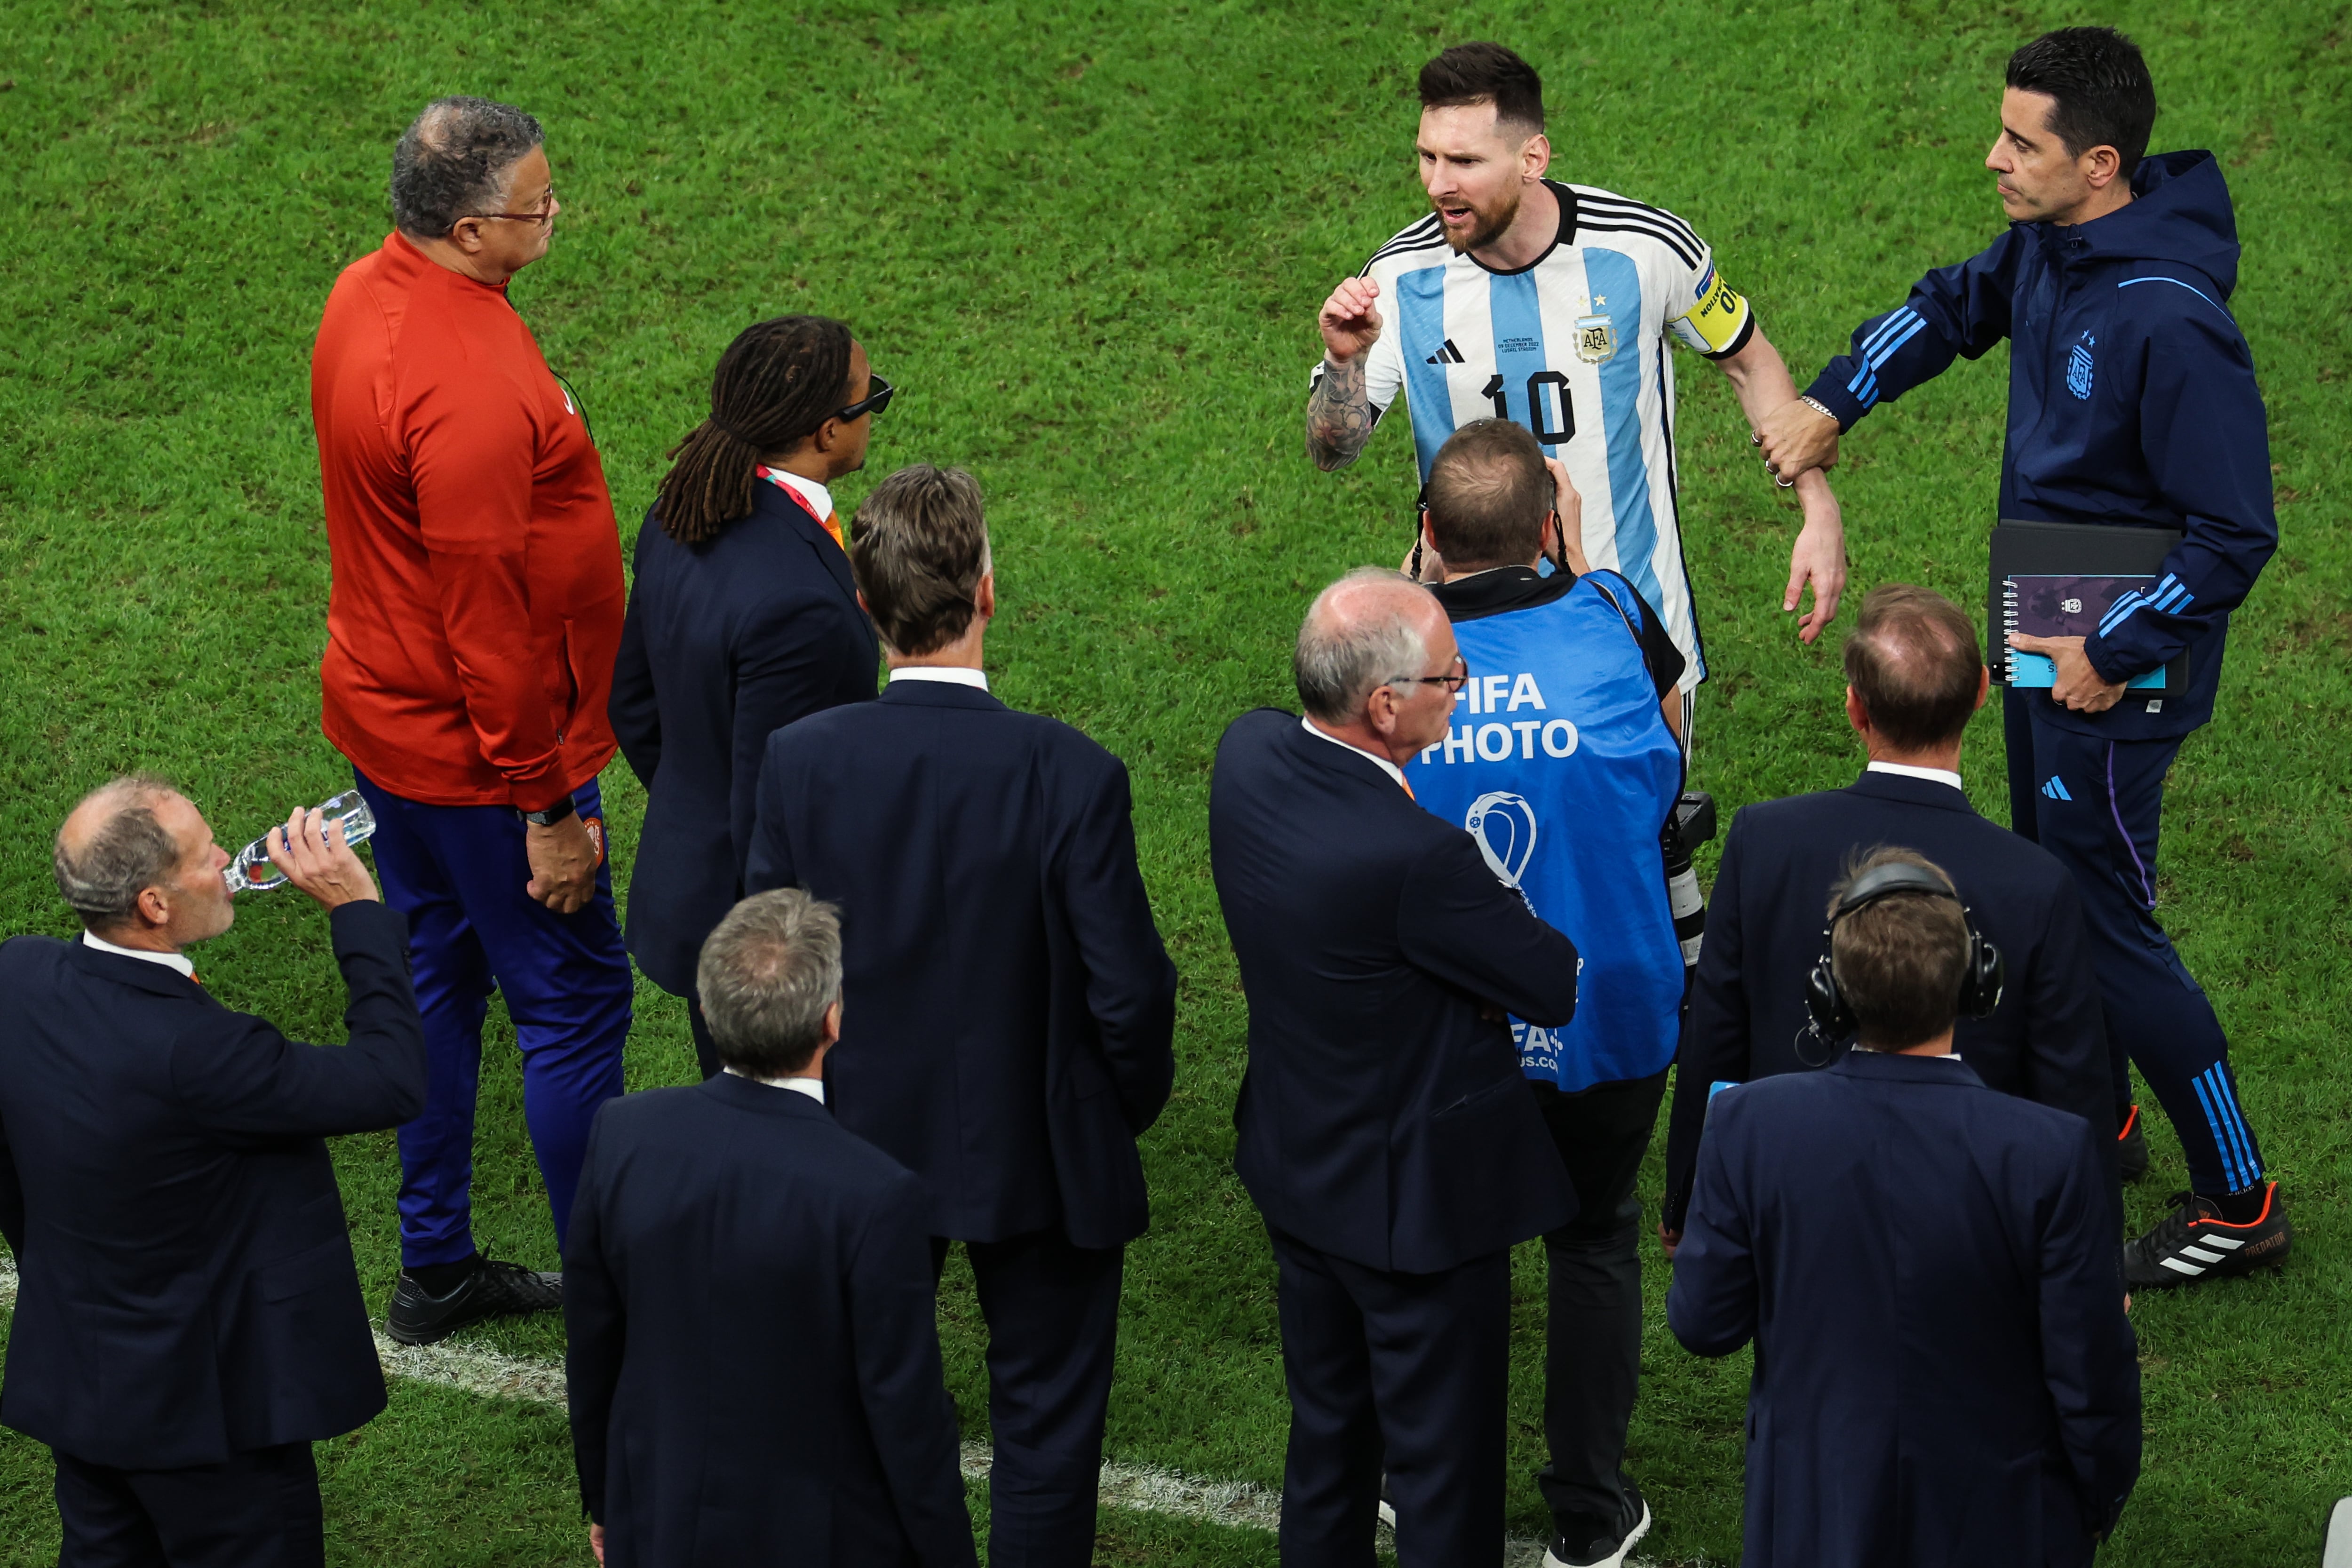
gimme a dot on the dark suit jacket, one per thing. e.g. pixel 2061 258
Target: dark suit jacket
pixel 1008 1009
pixel 185 1288
pixel 754 1360
pixel 726 641
pixel 1944 1374
pixel 2047 1040
pixel 1383 1120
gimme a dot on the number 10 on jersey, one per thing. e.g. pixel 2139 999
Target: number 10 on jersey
pixel 1538 417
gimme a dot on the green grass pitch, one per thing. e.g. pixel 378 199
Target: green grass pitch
pixel 1088 241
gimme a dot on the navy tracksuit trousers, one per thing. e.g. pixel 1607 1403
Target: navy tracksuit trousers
pixel 2098 805
pixel 457 872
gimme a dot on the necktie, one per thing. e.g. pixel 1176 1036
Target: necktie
pixel 833 526
pixel 1407 791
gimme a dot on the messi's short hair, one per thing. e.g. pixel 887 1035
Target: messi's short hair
pixel 2104 96
pixel 1485 73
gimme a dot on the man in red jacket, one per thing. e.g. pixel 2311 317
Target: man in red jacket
pixel 470 634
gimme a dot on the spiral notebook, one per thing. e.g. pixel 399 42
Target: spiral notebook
pixel 2066 580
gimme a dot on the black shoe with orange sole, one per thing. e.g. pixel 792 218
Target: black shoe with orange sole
pixel 2194 1243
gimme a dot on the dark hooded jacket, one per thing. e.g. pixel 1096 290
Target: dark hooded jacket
pixel 2131 400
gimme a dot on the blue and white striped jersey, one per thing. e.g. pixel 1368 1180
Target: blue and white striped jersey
pixel 1574 348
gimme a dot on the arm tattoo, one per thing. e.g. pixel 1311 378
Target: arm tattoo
pixel 1338 416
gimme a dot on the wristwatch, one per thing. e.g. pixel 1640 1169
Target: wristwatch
pixel 551 816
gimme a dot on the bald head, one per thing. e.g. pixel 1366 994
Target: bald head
pixel 1914 665
pixel 1368 629
pixel 114 846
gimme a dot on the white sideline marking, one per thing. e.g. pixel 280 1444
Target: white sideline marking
pixel 1140 1488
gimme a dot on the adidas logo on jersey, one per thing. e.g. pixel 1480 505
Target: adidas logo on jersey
pixel 1449 354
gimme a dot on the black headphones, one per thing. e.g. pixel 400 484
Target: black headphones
pixel 1833 1014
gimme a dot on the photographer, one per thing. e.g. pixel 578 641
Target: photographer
pixel 1929 1269
pixel 1563 764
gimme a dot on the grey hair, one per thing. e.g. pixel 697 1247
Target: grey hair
pixel 767 977
pixel 130 852
pixel 1339 662
pixel 452 162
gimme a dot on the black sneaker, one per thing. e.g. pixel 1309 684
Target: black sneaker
pixel 493 1290
pixel 2193 1243
pixel 1586 1540
pixel 2131 1147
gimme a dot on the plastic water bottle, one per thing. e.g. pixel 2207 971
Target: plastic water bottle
pixel 252 870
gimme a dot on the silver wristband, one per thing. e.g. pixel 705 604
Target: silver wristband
pixel 1818 407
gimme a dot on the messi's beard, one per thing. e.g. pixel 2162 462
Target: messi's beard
pixel 1486 227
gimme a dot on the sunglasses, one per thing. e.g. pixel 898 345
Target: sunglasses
pixel 877 398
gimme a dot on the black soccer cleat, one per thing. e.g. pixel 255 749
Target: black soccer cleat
pixel 494 1289
pixel 2131 1147
pixel 2193 1243
pixel 1585 1541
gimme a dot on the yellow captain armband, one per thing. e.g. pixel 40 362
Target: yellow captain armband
pixel 1719 323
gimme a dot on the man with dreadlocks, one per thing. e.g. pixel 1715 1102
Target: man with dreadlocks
pixel 476 606
pixel 744 618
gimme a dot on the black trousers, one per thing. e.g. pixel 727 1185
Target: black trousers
pixel 1592 1333
pixel 1409 1369
pixel 256 1510
pixel 1051 1311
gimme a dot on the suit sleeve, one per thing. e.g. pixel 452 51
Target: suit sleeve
pixel 12 1197
pixel 242 1079
pixel 595 1330
pixel 1456 920
pixel 470 450
pixel 1712 1304
pixel 2089 1357
pixel 895 1340
pixel 2067 1063
pixel 1130 984
pixel 2205 439
pixel 768 858
pixel 1953 313
pixel 634 715
pixel 789 662
pixel 1716 1030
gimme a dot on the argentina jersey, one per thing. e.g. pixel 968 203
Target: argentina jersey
pixel 1574 348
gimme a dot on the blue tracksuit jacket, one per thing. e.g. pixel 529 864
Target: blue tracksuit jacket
pixel 2131 400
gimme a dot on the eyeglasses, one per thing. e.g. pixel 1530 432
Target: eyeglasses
pixel 546 213
pixel 877 398
pixel 1453 682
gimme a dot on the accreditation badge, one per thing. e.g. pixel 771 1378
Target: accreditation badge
pixel 1596 339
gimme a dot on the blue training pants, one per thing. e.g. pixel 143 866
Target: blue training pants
pixel 2098 805
pixel 457 872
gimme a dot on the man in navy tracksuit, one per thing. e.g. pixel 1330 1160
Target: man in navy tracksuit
pixel 2132 400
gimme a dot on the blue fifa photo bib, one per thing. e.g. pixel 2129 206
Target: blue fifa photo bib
pixel 1559 763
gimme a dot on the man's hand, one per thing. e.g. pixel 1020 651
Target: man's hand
pixel 315 859
pixel 563 860
pixel 596 1541
pixel 1433 565
pixel 1669 1240
pixel 1818 557
pixel 1797 436
pixel 1566 502
pixel 1351 319
pixel 2078 685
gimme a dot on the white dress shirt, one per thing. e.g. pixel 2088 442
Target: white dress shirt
pixel 952 674
pixel 812 1087
pixel 178 961
pixel 1377 760
pixel 820 500
pixel 1905 770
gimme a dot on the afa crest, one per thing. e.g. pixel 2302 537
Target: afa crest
pixel 2078 366
pixel 1596 339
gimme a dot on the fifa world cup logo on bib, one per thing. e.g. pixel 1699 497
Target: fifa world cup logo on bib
pixel 1503 826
